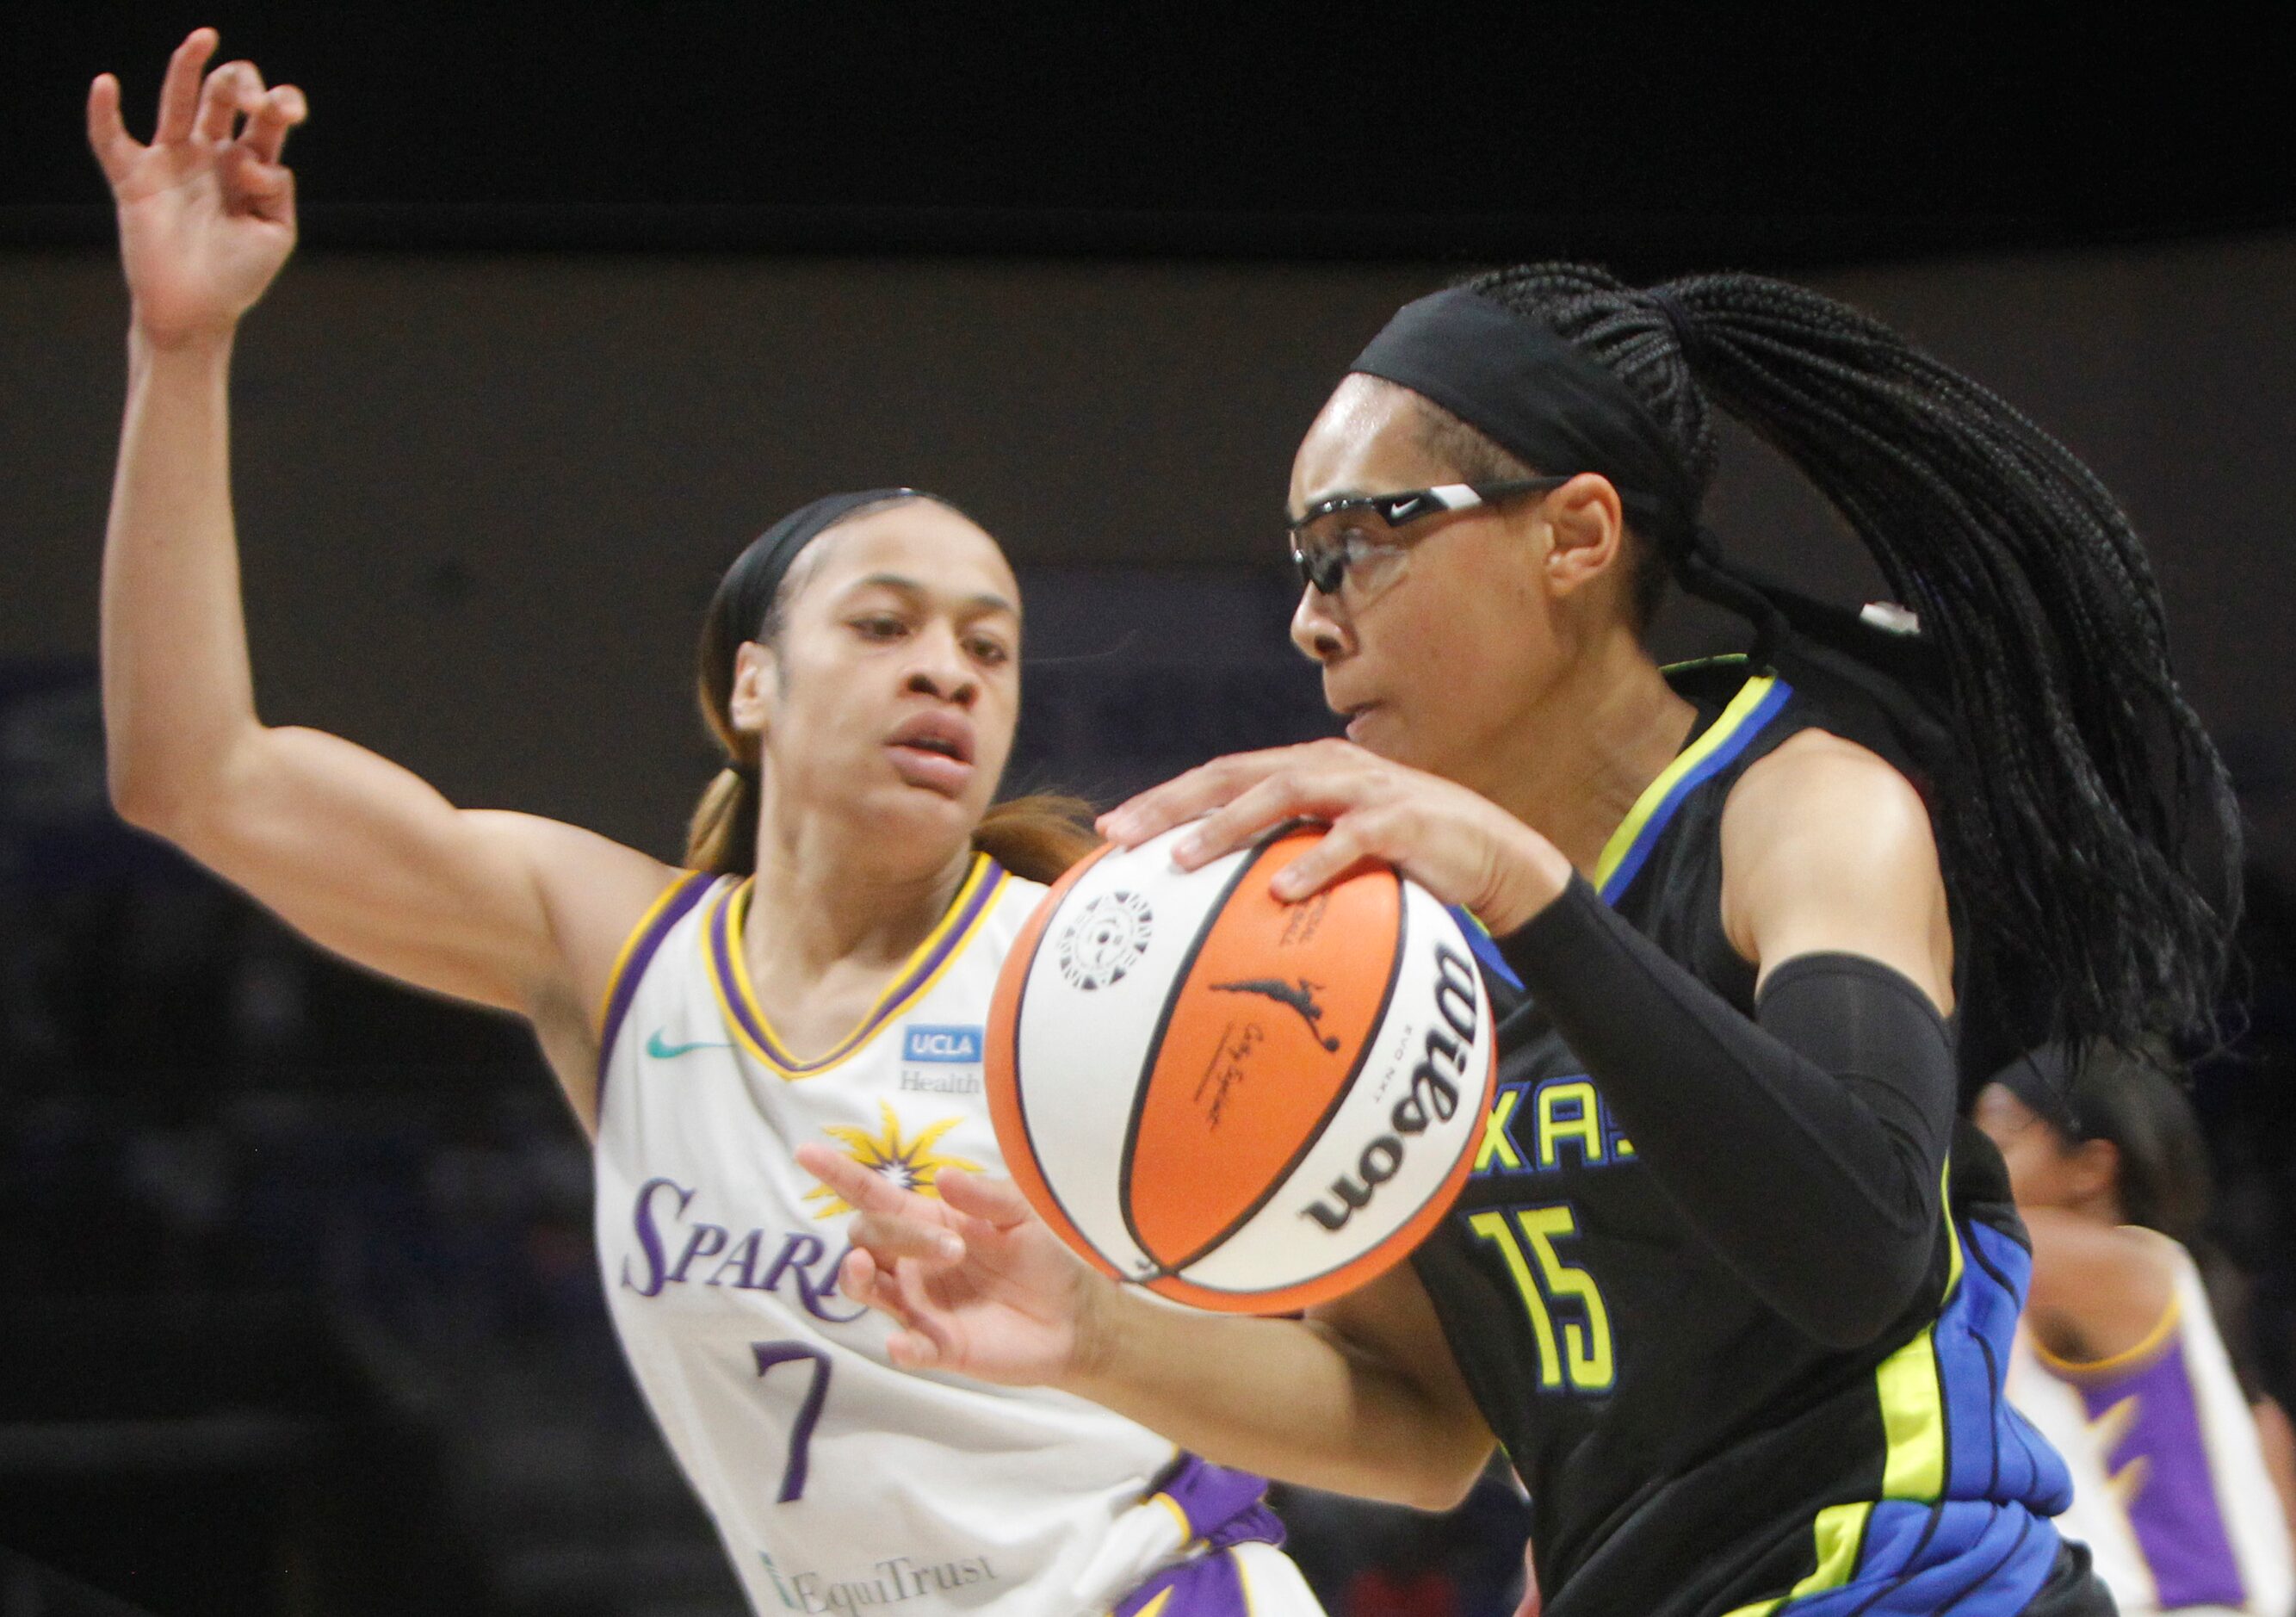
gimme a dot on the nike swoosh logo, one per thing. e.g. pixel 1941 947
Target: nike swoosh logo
pixel 659 1051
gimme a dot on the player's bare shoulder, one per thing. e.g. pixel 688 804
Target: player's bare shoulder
pixel 1826 845
pixel 594 892
pixel 1818 783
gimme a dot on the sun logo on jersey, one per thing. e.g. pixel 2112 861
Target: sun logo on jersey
pixel 912 1165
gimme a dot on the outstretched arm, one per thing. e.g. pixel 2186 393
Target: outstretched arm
pixel 353 851
pixel 1362 1397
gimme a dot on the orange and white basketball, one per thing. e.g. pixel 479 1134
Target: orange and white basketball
pixel 1240 1104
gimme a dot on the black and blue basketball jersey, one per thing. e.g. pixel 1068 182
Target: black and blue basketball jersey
pixel 1688 1452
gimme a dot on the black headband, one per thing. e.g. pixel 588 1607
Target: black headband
pixel 1540 399
pixel 755 577
pixel 2043 1080
pixel 1558 411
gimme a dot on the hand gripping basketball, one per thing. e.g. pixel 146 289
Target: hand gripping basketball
pixel 975 1280
pixel 1238 1103
pixel 1460 846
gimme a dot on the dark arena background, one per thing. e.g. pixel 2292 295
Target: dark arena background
pixel 298 1312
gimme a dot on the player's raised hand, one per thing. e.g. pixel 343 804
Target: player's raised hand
pixel 977 1282
pixel 207 210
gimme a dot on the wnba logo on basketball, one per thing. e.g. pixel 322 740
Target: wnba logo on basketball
pixel 1106 940
pixel 1433 1097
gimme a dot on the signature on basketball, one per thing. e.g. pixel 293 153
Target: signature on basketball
pixel 1305 921
pixel 1227 1068
pixel 1299 994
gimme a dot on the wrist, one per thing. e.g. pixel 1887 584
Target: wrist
pixel 1531 875
pixel 1555 935
pixel 1102 1305
pixel 207 342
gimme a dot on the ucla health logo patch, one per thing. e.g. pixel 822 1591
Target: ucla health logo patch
pixel 941 1043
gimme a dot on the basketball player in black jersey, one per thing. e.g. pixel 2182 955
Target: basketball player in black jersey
pixel 1732 1283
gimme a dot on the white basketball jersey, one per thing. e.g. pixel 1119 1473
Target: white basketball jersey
pixel 837 1481
pixel 2169 1488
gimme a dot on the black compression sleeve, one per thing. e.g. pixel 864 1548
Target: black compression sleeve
pixel 1807 1147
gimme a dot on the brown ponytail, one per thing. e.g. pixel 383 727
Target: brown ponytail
pixel 1038 836
pixel 722 838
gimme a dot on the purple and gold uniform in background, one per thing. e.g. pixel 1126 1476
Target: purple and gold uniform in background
pixel 2169 1487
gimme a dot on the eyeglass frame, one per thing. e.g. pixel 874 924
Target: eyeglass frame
pixel 1405 505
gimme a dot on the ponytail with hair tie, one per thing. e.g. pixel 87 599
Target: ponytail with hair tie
pixel 722 837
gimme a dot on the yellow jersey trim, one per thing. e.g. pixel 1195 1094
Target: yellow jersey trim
pixel 1750 696
pixel 2128 1359
pixel 1187 1528
pixel 630 944
pixel 1243 1578
pixel 1910 1386
pixel 1839 1530
pixel 927 963
pixel 1913 1418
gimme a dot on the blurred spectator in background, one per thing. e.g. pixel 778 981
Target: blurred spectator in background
pixel 2135 1358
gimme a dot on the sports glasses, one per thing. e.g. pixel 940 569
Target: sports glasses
pixel 1358 536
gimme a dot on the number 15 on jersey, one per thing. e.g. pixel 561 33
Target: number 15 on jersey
pixel 1525 1244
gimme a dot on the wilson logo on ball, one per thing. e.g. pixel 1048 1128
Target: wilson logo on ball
pixel 1433 1097
pixel 1247 1106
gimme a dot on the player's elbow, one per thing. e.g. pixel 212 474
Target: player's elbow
pixel 1444 1490
pixel 181 812
pixel 179 793
pixel 1442 1468
pixel 1847 1305
pixel 147 799
pixel 1845 1331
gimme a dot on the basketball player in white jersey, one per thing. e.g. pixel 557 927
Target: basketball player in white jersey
pixel 822 977
pixel 2119 1360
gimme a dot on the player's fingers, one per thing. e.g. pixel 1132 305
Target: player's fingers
pixel 892 1236
pixel 912 1350
pixel 278 199
pixel 870 1192
pixel 863 1279
pixel 908 1346
pixel 179 93
pixel 266 190
pixel 1346 847
pixel 280 110
pixel 232 89
pixel 1271 802
pixel 929 1340
pixel 892 1222
pixel 107 134
pixel 1303 791
pixel 997 1202
pixel 1184 797
pixel 857 1275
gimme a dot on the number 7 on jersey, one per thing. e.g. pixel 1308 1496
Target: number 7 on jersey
pixel 769 1354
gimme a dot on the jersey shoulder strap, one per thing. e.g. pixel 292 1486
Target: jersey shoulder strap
pixel 675 903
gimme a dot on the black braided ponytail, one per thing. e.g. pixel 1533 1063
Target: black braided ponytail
pixel 2090 836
